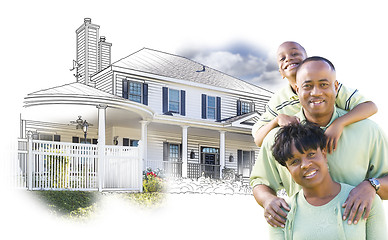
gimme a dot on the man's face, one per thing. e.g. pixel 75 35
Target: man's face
pixel 317 87
pixel 289 56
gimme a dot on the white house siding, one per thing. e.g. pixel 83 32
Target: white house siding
pixel 104 80
pixel 193 96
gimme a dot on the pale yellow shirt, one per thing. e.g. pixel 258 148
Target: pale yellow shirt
pixel 287 102
pixel 361 153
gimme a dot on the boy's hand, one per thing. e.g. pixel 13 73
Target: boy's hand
pixel 283 120
pixel 333 133
pixel 273 212
pixel 359 200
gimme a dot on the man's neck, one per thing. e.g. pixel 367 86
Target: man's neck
pixel 321 120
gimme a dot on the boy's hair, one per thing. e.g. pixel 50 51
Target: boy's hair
pixel 304 136
pixel 316 58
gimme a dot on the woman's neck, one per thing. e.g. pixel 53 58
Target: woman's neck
pixel 323 193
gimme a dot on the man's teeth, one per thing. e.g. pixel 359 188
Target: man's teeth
pixel 317 101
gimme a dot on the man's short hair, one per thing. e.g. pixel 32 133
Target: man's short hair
pixel 304 136
pixel 316 58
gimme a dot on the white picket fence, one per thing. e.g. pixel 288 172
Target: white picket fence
pixel 46 165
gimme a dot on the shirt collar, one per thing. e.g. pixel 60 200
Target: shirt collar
pixel 335 115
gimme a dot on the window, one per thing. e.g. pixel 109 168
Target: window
pixel 211 107
pixel 134 143
pixel 135 91
pixel 173 100
pixel 172 152
pixel 245 107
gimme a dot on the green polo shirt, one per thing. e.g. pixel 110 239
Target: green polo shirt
pixel 361 153
pixel 306 221
pixel 286 102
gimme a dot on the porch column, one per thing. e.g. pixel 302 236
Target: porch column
pixel 144 140
pixel 30 160
pixel 184 151
pixel 101 145
pixel 222 151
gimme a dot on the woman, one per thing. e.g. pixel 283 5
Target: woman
pixel 316 211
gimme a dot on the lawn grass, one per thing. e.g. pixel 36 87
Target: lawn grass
pixel 81 205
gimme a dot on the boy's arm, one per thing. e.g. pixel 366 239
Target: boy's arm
pixel 281 120
pixel 361 111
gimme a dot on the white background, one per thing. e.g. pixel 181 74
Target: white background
pixel 38 45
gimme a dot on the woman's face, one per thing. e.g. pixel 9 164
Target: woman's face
pixel 308 169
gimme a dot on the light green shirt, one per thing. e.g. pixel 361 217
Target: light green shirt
pixel 305 221
pixel 361 153
pixel 287 102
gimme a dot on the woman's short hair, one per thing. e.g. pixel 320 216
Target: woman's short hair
pixel 304 136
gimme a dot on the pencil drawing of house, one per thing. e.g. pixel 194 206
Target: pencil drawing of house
pixel 169 112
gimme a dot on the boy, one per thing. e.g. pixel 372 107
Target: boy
pixel 282 107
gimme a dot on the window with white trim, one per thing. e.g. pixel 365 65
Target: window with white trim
pixel 173 100
pixel 211 107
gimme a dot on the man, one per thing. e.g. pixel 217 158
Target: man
pixel 360 159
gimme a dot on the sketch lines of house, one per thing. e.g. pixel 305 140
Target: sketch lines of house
pixel 190 120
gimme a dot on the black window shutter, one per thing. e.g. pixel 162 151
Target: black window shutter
pixel 218 113
pixel 240 160
pixel 183 102
pixel 204 106
pixel 252 106
pixel 165 151
pixel 238 107
pixel 125 89
pixel 145 94
pixel 165 99
pixel 57 138
pixel 126 142
pixel 95 141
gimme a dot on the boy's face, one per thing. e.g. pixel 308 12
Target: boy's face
pixel 317 87
pixel 289 56
pixel 308 169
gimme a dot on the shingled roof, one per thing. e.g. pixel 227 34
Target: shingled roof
pixel 174 66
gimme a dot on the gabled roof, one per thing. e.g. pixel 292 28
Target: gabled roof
pixel 174 66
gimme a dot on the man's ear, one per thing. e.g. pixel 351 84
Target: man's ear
pixel 336 84
pixel 324 152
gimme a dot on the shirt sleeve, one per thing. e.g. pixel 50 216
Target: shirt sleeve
pixel 276 233
pixel 376 226
pixel 265 169
pixel 378 163
pixel 269 114
pixel 348 98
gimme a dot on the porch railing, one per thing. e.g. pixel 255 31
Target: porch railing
pixel 196 170
pixel 170 168
pixel 59 165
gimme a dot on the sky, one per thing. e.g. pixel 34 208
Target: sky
pixel 237 37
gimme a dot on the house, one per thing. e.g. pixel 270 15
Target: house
pixel 191 120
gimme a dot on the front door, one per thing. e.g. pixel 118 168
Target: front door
pixel 210 163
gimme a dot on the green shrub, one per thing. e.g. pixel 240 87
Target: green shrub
pixel 152 182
